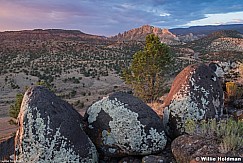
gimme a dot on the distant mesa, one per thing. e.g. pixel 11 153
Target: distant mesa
pixel 48 34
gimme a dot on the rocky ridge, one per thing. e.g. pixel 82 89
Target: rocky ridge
pixel 140 34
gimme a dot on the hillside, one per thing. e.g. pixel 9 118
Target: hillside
pixel 79 67
pixel 222 45
pixel 82 68
pixel 207 40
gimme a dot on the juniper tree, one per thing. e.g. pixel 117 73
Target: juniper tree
pixel 15 108
pixel 147 69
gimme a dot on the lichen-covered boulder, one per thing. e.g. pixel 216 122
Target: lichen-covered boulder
pixel 50 130
pixel 196 93
pixel 226 71
pixel 122 124
pixel 218 70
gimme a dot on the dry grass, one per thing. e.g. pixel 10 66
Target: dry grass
pixel 157 107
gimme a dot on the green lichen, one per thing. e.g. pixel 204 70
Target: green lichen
pixel 37 146
pixel 126 130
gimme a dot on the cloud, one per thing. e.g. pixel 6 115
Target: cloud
pixel 108 17
pixel 217 19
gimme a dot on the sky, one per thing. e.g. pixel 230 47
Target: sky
pixel 110 17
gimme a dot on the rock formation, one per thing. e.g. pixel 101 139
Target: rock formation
pixel 139 34
pixel 122 124
pixel 196 94
pixel 50 130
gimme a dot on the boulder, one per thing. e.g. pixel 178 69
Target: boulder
pixel 197 149
pixel 189 148
pixel 196 94
pixel 7 148
pixel 154 159
pixel 130 159
pixel 51 130
pixel 217 69
pixel 226 71
pixel 122 125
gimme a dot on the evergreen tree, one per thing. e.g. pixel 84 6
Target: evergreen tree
pixel 147 70
pixel 15 108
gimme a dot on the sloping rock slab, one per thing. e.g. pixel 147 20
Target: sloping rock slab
pixel 50 130
pixel 196 94
pixel 122 124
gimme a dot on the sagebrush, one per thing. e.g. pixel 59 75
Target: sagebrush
pixel 228 132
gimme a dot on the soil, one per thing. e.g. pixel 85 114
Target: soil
pixel 94 90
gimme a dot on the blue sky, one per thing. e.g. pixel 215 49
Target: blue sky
pixel 109 17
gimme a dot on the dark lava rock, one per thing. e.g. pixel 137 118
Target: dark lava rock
pixel 130 159
pixel 154 159
pixel 122 125
pixel 186 148
pixel 50 130
pixel 7 148
pixel 196 94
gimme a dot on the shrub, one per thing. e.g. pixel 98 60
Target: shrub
pixel 239 92
pixel 231 89
pixel 81 105
pixel 15 108
pixel 45 84
pixel 73 93
pixel 76 103
pixel 227 132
